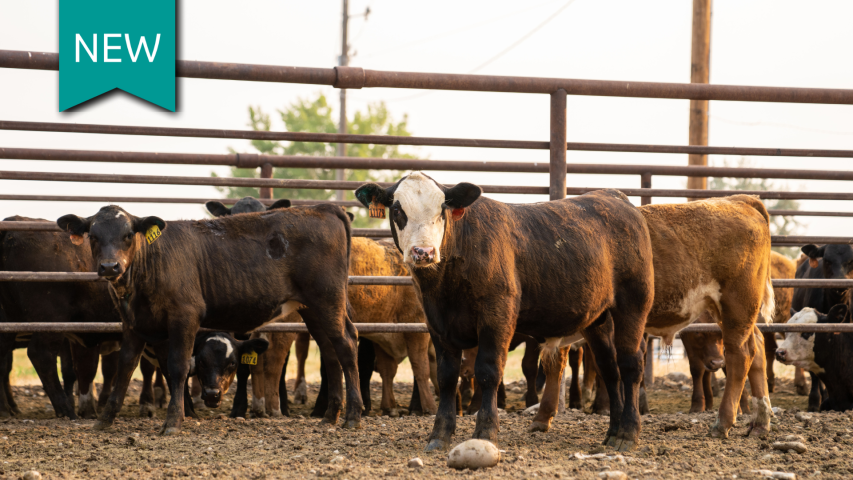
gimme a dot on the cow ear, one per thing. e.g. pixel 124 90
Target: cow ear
pixel 351 216
pixel 74 224
pixel 371 192
pixel 792 312
pixel 283 203
pixel 462 195
pixel 142 225
pixel 813 251
pixel 837 313
pixel 217 209
pixel 257 345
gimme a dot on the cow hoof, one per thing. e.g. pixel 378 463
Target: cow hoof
pixel 146 410
pixel 102 425
pixel 5 414
pixel 538 426
pixel 170 431
pixel 718 432
pixel 624 445
pixel 300 393
pixel 436 445
pixel 610 441
pixel 802 390
pixel 352 425
pixel 16 411
pixel 758 432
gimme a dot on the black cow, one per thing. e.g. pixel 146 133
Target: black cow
pixel 486 269
pixel 825 262
pixel 233 273
pixel 833 353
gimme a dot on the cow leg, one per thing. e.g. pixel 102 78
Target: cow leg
pixel 300 389
pixel 739 352
pixel 366 366
pixel 769 357
pixel 42 352
pixel 488 372
pixel 502 394
pixel 575 355
pixel 590 382
pixel 69 375
pixel 259 388
pixel 241 396
pixel 529 367
pixel 761 410
pixel 540 379
pixel 476 401
pixel 86 364
pixel 109 372
pixel 131 351
pixel 146 396
pixel 599 337
pixel 195 392
pixel 322 402
pixel 466 393
pixel 273 368
pixel 387 367
pixel 815 394
pixel 179 348
pixel 339 348
pixel 449 362
pixel 7 346
pixel 644 402
pixel 553 364
pixel 697 374
pixel 707 391
pixel 628 323
pixel 284 403
pixel 417 345
pixel 799 380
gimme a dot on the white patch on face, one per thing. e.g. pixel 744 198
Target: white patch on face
pixel 799 351
pixel 119 214
pixel 228 348
pixel 421 200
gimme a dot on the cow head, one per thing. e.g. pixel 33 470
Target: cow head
pixel 215 360
pixel 244 205
pixel 419 211
pixel 114 235
pixel 837 259
pixel 798 347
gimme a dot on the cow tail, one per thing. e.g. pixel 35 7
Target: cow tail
pixel 768 303
pixel 342 215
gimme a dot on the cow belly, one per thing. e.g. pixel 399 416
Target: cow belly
pixel 394 344
pixel 668 318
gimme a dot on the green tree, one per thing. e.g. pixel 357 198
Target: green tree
pixel 315 116
pixel 779 225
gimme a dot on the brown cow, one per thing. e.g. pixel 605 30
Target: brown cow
pixel 232 273
pixel 486 270
pixel 712 257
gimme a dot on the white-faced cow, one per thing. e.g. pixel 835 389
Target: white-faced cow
pixel 486 269
pixel 233 273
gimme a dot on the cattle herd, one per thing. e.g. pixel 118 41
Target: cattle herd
pixel 580 280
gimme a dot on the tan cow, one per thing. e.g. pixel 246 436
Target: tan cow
pixel 712 257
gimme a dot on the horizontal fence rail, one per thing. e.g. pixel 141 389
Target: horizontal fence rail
pixel 352 185
pixel 356 77
pixel 251 160
pixel 389 328
pixel 413 141
pixel 355 280
pixel 26 226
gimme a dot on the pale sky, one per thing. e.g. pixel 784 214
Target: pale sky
pixel 772 43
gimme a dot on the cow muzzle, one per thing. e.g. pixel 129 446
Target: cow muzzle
pixel 423 255
pixel 110 268
pixel 716 364
pixel 782 355
pixel 212 397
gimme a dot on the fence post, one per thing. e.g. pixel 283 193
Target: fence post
pixel 649 371
pixel 266 172
pixel 558 146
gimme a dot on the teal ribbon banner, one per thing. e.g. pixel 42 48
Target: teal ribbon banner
pixel 124 44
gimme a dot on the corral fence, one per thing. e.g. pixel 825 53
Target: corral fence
pixel 357 78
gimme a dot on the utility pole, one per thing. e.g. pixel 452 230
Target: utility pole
pixel 700 69
pixel 343 61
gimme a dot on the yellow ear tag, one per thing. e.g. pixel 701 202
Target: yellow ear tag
pixel 152 234
pixel 77 239
pixel 249 358
pixel 376 210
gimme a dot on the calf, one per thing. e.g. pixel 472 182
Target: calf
pixel 486 270
pixel 696 273
pixel 826 355
pixel 780 268
pixel 233 273
pixel 825 262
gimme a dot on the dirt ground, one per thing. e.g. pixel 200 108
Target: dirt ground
pixel 673 444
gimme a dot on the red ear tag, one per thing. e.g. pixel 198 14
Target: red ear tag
pixel 812 262
pixel 457 213
pixel 77 239
pixel 376 210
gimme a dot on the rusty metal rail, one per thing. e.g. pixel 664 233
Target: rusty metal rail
pixel 351 185
pixel 89 327
pixel 251 160
pixel 354 280
pixel 414 141
pixel 356 77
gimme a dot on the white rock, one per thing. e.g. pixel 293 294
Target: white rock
pixel 532 410
pixel 777 410
pixel 416 463
pixel 776 475
pixel 337 459
pixel 473 454
pixel 32 475
pixel 613 475
pixel 677 377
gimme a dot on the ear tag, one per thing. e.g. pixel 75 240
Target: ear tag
pixel 152 234
pixel 457 213
pixel 250 358
pixel 77 239
pixel 376 210
pixel 812 262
